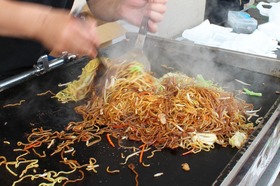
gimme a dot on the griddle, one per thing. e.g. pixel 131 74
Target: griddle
pixel 207 168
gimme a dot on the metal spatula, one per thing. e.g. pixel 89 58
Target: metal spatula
pixel 137 53
pixel 107 70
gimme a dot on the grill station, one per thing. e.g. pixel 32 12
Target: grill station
pixel 220 166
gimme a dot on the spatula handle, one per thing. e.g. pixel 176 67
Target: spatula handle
pixel 144 26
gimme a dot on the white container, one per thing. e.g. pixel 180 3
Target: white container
pixel 242 22
pixel 273 12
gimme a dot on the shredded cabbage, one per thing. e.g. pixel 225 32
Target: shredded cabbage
pixel 238 139
pixel 205 138
pixel 78 89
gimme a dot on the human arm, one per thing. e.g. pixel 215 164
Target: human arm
pixel 129 10
pixel 54 28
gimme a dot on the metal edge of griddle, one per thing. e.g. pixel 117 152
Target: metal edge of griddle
pixel 252 160
pixel 256 63
pixel 251 62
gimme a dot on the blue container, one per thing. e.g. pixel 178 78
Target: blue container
pixel 242 22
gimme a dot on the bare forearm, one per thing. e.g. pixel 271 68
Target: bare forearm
pixel 18 19
pixel 55 28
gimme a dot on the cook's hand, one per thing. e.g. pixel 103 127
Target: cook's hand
pixel 62 32
pixel 129 10
pixel 133 11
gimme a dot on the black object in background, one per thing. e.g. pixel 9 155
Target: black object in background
pixel 216 11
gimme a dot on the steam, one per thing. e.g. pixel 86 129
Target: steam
pixel 219 65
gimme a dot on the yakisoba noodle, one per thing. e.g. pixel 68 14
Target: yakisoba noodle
pixel 78 89
pixel 172 111
pixel 55 142
pixel 169 112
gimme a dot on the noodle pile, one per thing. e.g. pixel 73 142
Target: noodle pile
pixel 172 111
pixel 168 112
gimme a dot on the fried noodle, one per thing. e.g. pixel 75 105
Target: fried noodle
pixel 168 112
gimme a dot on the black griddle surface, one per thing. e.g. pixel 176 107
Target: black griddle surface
pixel 43 111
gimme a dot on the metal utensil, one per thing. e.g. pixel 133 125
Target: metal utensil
pixel 137 53
pixel 107 70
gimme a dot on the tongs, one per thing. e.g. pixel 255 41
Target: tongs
pixel 106 71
